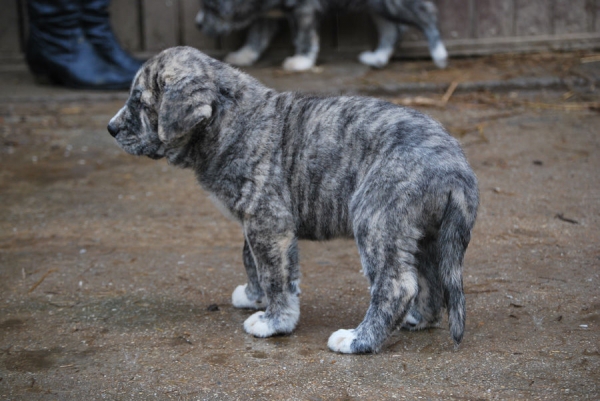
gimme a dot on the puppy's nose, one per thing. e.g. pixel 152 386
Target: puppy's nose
pixel 112 129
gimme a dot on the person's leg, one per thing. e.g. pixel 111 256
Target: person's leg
pixel 97 28
pixel 58 50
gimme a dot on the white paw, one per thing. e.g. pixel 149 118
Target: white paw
pixel 200 18
pixel 410 319
pixel 239 299
pixel 410 322
pixel 242 58
pixel 440 56
pixel 298 63
pixel 258 326
pixel 375 59
pixel 341 340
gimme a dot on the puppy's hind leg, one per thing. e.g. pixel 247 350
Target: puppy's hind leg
pixel 425 14
pixel 250 295
pixel 275 255
pixel 388 258
pixel 258 40
pixel 427 308
pixel 422 15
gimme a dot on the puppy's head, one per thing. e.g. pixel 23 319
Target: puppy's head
pixel 171 98
pixel 220 17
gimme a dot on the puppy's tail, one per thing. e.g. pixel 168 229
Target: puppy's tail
pixel 454 236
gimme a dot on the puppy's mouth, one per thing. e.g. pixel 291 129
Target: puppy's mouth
pixel 159 154
pixel 153 151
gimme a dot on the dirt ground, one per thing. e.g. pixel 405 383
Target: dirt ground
pixel 116 272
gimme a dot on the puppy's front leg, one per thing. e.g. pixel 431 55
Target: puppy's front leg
pixel 251 295
pixel 258 39
pixel 388 36
pixel 306 40
pixel 275 255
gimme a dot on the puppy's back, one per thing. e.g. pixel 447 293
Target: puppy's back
pixel 330 146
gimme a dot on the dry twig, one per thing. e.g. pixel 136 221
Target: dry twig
pixel 427 101
pixel 41 280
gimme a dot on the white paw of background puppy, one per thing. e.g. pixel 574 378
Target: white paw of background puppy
pixel 375 59
pixel 341 341
pixel 440 56
pixel 258 326
pixel 242 58
pixel 411 320
pixel 298 63
pixel 239 299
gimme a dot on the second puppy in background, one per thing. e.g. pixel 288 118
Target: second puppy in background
pixel 220 17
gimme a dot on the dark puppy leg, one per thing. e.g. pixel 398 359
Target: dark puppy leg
pixel 426 311
pixel 420 14
pixel 389 34
pixel 250 295
pixel 305 25
pixel 258 40
pixel 385 227
pixel 275 252
pixel 389 265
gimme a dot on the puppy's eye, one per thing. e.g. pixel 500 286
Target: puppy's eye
pixel 136 94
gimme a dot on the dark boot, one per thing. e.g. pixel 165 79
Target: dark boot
pixel 96 25
pixel 57 48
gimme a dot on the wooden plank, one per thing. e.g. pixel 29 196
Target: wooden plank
pixel 356 31
pixel 328 33
pixel 24 20
pixel 191 35
pixel 125 21
pixel 10 41
pixel 533 17
pixel 523 44
pixel 594 7
pixel 570 16
pixel 231 42
pixel 456 18
pixel 494 18
pixel 160 24
pixel 590 14
pixel 282 44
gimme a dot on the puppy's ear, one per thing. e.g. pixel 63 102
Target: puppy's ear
pixel 185 104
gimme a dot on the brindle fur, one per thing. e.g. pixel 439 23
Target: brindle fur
pixel 292 166
pixel 219 17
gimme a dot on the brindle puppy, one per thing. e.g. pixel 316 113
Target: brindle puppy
pixel 290 166
pixel 219 17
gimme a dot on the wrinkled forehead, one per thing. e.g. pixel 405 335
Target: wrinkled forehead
pixel 140 78
pixel 171 63
pixel 147 77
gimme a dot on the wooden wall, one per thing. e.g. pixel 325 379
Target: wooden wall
pixel 468 27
